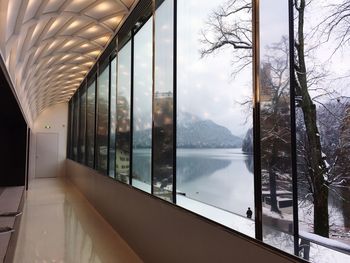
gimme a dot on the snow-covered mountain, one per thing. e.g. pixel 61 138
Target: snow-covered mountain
pixel 247 145
pixel 194 132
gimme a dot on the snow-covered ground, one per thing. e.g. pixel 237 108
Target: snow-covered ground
pixel 322 254
pixel 233 221
pixel 274 237
pixel 141 185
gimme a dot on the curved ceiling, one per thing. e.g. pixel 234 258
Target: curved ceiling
pixel 50 45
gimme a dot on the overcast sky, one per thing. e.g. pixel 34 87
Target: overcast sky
pixel 206 86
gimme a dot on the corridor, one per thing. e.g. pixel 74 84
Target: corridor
pixel 59 225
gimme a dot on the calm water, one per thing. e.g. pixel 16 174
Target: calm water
pixel 219 177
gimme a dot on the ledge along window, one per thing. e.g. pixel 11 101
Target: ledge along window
pixel 142 107
pixel 102 118
pixel 122 162
pixel 215 171
pixel 90 122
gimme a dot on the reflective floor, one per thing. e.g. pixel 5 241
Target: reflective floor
pixel 59 225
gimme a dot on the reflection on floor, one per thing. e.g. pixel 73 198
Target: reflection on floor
pixel 59 225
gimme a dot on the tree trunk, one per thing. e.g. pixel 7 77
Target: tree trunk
pixel 272 164
pixel 317 167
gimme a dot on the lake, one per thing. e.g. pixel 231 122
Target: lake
pixel 219 177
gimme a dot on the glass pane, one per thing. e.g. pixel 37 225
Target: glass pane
pixel 102 121
pixel 82 122
pixel 163 102
pixel 90 124
pixel 142 108
pixel 113 118
pixel 70 130
pixel 122 165
pixel 323 128
pixel 276 170
pixel 75 126
pixel 214 117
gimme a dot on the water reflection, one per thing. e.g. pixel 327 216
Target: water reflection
pixel 142 165
pixel 249 163
pixel 191 167
pixel 201 172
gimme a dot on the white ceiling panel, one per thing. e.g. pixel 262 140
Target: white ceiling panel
pixel 50 45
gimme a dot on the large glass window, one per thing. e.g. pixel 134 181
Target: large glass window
pixel 82 124
pixel 323 128
pixel 122 164
pixel 75 126
pixel 102 120
pixel 70 129
pixel 112 118
pixel 208 155
pixel 276 165
pixel 90 123
pixel 214 118
pixel 163 171
pixel 142 108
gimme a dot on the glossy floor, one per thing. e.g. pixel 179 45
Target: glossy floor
pixel 59 225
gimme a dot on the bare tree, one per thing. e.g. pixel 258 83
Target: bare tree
pixel 317 165
pixel 275 120
pixel 230 26
pixel 337 23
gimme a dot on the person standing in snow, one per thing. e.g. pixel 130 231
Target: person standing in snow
pixel 249 213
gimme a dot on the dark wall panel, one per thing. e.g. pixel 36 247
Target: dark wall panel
pixel 13 132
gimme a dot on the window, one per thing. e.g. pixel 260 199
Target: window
pixel 197 114
pixel 70 130
pixel 163 159
pixel 90 123
pixel 123 114
pixel 322 100
pixel 113 118
pixel 82 124
pixel 142 108
pixel 102 120
pixel 75 126
pixel 276 165
pixel 215 169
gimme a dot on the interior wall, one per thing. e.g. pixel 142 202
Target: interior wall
pixel 161 232
pixel 57 118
